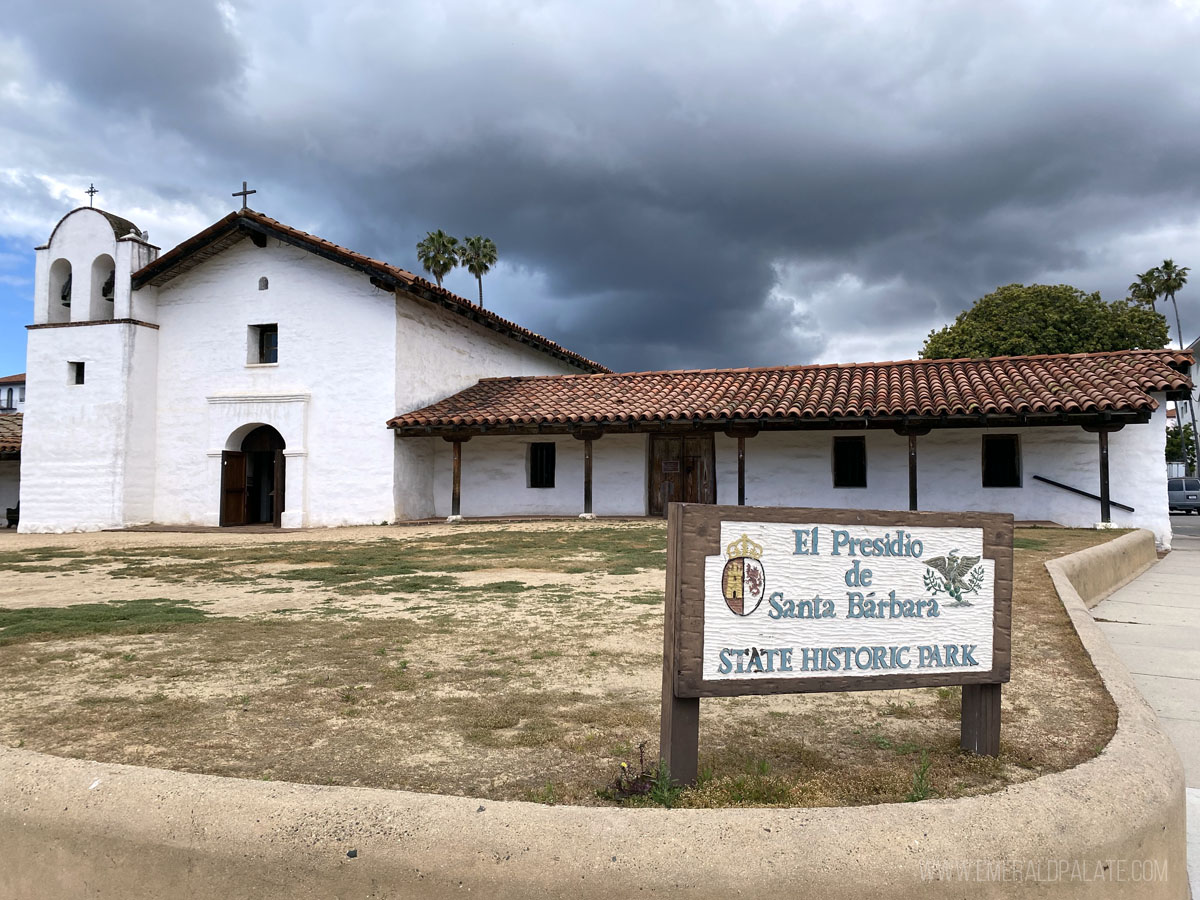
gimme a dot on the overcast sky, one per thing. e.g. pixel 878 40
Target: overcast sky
pixel 669 184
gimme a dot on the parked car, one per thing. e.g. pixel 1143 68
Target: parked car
pixel 1183 494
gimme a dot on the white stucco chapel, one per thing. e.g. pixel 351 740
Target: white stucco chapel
pixel 257 374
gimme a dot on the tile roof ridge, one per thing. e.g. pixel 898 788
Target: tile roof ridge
pixel 845 365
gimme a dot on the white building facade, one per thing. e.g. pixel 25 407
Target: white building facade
pixel 145 389
pixel 1072 439
pixel 794 468
pixel 249 376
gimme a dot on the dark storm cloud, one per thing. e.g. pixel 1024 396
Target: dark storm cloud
pixel 174 61
pixel 683 184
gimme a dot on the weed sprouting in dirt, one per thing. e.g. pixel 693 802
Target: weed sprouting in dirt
pixel 653 785
pixel 921 788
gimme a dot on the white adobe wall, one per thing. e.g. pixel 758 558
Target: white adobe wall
pixel 330 395
pixel 1067 455
pixel 438 354
pixel 87 449
pixel 141 420
pixel 10 484
pixel 795 469
pixel 79 440
pixel 495 476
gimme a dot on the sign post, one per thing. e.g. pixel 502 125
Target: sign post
pixel 771 601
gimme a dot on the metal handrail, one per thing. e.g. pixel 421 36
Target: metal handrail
pixel 1075 490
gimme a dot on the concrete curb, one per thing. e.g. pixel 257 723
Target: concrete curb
pixel 1096 572
pixel 1112 827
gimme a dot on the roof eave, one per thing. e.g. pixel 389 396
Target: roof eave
pixel 791 423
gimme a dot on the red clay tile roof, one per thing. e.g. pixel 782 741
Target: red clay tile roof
pixel 237 225
pixel 10 432
pixel 1015 385
pixel 13 379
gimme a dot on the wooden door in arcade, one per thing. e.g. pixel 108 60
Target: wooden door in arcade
pixel 682 470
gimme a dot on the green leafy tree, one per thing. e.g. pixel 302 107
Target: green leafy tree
pixel 1172 278
pixel 438 253
pixel 478 255
pixel 1181 446
pixel 1145 289
pixel 1022 320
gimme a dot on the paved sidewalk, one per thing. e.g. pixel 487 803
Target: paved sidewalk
pixel 1154 625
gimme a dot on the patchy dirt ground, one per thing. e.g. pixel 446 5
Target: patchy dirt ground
pixel 505 661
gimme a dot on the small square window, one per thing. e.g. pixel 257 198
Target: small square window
pixel 1001 461
pixel 541 465
pixel 74 373
pixel 263 344
pixel 850 462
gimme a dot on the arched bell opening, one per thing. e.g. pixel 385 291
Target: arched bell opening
pixel 60 292
pixel 103 288
pixel 253 477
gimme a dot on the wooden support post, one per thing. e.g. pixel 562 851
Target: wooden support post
pixel 912 471
pixel 456 497
pixel 679 738
pixel 1105 499
pixel 1102 432
pixel 587 435
pixel 679 734
pixel 741 471
pixel 741 431
pixel 587 476
pixel 980 732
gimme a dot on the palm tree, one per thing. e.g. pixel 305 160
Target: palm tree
pixel 1145 289
pixel 438 254
pixel 1171 278
pixel 478 254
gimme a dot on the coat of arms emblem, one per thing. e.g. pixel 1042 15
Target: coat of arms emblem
pixel 744 581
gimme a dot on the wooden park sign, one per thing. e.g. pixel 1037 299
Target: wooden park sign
pixel 772 601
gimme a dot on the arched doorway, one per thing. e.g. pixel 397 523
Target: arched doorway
pixel 252 478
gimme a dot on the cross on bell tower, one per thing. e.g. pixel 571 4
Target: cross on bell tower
pixel 92 192
pixel 243 193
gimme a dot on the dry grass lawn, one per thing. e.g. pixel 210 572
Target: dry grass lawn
pixel 509 662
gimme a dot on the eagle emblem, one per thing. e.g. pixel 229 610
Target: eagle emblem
pixel 954 575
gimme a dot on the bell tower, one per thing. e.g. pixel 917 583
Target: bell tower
pixel 87 454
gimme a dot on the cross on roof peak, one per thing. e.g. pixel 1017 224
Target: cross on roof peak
pixel 243 193
pixel 91 192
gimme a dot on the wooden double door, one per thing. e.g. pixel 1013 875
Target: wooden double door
pixel 253 480
pixel 682 470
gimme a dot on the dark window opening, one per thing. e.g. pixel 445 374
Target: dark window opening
pixel 76 372
pixel 8 404
pixel 106 290
pixel 850 462
pixel 262 283
pixel 541 465
pixel 264 344
pixel 1001 461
